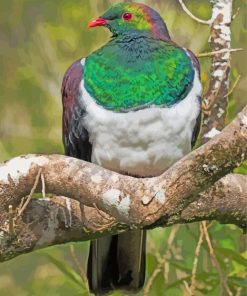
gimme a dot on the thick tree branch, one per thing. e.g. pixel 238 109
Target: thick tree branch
pixel 225 202
pixel 59 219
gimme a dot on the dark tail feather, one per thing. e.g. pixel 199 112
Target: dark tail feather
pixel 117 262
pixel 99 270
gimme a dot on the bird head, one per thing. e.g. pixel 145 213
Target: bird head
pixel 133 19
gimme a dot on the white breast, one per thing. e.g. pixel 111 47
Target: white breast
pixel 144 142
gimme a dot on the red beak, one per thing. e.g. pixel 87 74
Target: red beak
pixel 98 22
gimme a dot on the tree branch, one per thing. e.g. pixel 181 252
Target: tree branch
pixel 195 18
pixel 59 219
pixel 225 202
pixel 215 100
pixel 215 53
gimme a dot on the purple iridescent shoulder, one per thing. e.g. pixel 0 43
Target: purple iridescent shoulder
pixel 70 89
pixel 194 60
pixel 72 79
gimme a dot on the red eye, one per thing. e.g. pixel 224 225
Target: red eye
pixel 127 16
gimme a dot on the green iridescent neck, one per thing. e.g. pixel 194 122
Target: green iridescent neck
pixel 123 76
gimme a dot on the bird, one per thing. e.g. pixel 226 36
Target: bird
pixel 133 107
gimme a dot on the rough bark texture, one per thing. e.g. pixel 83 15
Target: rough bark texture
pixel 59 219
pixel 215 100
pixel 225 202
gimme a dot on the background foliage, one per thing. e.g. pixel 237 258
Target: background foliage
pixel 38 41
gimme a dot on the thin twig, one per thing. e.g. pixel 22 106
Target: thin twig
pixel 161 260
pixel 166 266
pixel 210 224
pixel 154 250
pixel 11 220
pixel 43 185
pixel 236 13
pixel 172 235
pixel 186 10
pixel 214 259
pixel 195 263
pixel 213 53
pixel 22 202
pixel 186 285
pixel 151 280
pixel 239 290
pixel 233 86
pixel 77 264
pixel 167 255
pixel 21 210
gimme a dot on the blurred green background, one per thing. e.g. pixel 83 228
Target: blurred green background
pixel 38 41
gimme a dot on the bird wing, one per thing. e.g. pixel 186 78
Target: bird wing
pixel 75 136
pixel 196 130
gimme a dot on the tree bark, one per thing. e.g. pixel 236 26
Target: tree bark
pixel 59 219
pixel 215 100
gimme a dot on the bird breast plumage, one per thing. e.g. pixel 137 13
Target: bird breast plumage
pixel 144 142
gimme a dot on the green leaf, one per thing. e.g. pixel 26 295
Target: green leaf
pixel 242 169
pixel 179 265
pixel 204 276
pixel 66 269
pixel 238 281
pixel 229 253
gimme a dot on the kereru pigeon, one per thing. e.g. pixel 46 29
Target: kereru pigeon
pixel 132 106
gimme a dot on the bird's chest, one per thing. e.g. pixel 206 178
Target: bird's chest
pixel 131 75
pixel 141 143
